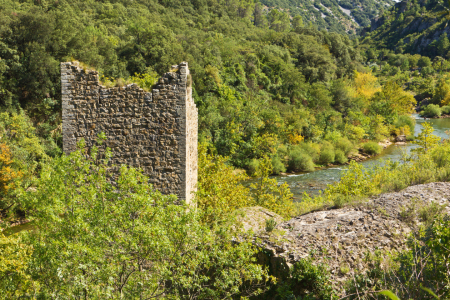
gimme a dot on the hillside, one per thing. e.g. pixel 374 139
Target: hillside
pixel 415 27
pixel 275 95
pixel 261 84
pixel 340 16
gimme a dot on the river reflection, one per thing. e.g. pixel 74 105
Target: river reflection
pixel 316 181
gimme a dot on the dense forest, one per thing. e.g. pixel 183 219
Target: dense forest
pixel 263 86
pixel 279 89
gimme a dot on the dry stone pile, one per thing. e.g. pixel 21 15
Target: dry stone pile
pixel 343 237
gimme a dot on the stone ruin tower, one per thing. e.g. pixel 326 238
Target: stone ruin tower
pixel 155 131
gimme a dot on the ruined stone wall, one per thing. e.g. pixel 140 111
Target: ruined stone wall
pixel 155 131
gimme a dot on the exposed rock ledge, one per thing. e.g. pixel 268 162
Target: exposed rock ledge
pixel 342 237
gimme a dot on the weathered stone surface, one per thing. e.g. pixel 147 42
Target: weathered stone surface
pixel 254 218
pixel 155 131
pixel 341 238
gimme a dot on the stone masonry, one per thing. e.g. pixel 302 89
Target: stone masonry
pixel 155 131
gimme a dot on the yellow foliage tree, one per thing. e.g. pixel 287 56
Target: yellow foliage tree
pixel 365 85
pixel 398 100
pixel 7 174
pixel 220 191
pixel 295 138
pixel 267 193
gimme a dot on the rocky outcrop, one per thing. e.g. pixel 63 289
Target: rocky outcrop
pixel 342 238
pixel 400 139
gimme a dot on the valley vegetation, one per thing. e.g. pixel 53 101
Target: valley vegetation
pixel 273 96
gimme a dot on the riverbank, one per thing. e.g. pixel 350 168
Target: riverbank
pixel 343 238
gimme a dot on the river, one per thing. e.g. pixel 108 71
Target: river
pixel 313 182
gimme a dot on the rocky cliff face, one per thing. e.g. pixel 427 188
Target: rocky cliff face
pixel 338 16
pixel 411 26
pixel 343 237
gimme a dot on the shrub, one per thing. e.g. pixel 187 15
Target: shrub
pixel 267 193
pixel 270 224
pixel 277 165
pixel 445 110
pixel 313 150
pixel 308 278
pixel 344 145
pixel 403 121
pixel 441 156
pixel 219 190
pixel 410 138
pixel 300 161
pixel 432 110
pixel 372 148
pixel 327 155
pixel 340 157
pixel 252 167
pixel 282 151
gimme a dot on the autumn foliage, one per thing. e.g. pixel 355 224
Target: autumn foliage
pixel 8 175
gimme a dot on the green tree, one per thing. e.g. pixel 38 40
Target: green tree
pixel 259 19
pixel 443 44
pixel 426 139
pixel 278 20
pixel 424 62
pixel 297 22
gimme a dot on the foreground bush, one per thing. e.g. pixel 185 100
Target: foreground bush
pixel 95 240
pixel 266 192
pixel 221 192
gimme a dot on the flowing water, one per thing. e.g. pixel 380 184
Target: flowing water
pixel 313 182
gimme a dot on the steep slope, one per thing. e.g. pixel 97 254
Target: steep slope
pixel 412 27
pixel 333 15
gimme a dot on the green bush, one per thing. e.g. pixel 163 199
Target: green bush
pixel 432 110
pixel 327 155
pixel 405 121
pixel 445 110
pixel 309 279
pixel 441 156
pixel 270 224
pixel 410 138
pixel 345 145
pixel 277 165
pixel 252 167
pixel 313 150
pixel 372 148
pixel 340 157
pixel 300 161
